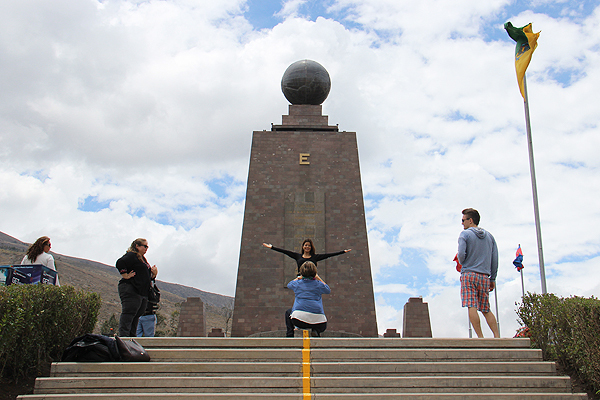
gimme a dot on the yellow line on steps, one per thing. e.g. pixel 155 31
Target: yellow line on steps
pixel 306 365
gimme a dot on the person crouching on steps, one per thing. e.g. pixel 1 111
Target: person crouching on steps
pixel 307 312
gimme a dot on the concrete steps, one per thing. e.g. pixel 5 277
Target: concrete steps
pixel 349 368
pixel 291 369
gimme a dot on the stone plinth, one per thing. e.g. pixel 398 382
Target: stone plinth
pixel 391 333
pixel 416 319
pixel 298 334
pixel 300 115
pixel 216 332
pixel 191 318
pixel 304 182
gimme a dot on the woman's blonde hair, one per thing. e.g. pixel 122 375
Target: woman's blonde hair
pixel 308 269
pixel 133 248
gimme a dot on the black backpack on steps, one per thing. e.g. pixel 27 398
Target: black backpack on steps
pixel 92 348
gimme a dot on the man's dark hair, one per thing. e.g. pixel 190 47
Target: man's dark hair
pixel 473 214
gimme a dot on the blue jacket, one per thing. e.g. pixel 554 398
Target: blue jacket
pixel 308 295
pixel 477 252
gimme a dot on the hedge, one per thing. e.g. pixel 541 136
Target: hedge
pixel 567 330
pixel 37 322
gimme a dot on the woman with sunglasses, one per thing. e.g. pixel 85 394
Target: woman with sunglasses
pixel 134 286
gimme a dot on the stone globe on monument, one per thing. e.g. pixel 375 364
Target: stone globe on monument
pixel 306 82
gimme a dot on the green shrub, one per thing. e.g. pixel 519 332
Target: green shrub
pixel 38 322
pixel 110 326
pixel 567 330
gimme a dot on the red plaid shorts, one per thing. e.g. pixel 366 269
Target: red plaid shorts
pixel 475 291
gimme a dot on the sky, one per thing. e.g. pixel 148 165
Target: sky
pixel 126 119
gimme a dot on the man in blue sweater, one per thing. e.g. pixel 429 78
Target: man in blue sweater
pixel 478 254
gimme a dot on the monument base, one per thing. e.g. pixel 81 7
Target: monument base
pixel 298 334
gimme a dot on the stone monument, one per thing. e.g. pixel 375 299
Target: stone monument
pixel 416 319
pixel 304 182
pixel 191 318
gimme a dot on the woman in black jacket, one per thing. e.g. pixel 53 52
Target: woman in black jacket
pixel 134 286
pixel 308 253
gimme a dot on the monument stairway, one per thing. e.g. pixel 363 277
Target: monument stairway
pixel 315 368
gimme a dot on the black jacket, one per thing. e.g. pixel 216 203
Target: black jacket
pixel 141 281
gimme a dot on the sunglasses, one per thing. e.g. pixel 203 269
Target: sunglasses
pixel 144 245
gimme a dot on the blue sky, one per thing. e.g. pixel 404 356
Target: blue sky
pixel 123 119
pixel 267 14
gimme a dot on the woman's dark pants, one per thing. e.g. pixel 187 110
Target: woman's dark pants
pixel 291 322
pixel 133 307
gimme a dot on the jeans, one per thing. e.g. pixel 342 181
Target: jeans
pixel 145 326
pixel 133 307
pixel 291 322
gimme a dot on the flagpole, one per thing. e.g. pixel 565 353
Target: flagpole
pixel 497 315
pixel 469 321
pixel 522 284
pixel 536 210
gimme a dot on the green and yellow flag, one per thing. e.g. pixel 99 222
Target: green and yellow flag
pixel 526 44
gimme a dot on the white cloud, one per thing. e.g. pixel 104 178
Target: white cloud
pixel 422 21
pixel 388 316
pixel 290 8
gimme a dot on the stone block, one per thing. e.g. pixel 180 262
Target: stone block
pixel 391 333
pixel 191 318
pixel 416 319
pixel 216 332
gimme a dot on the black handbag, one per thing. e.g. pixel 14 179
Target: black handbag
pixel 130 350
pixel 154 294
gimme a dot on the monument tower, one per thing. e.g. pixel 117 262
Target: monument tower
pixel 304 182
